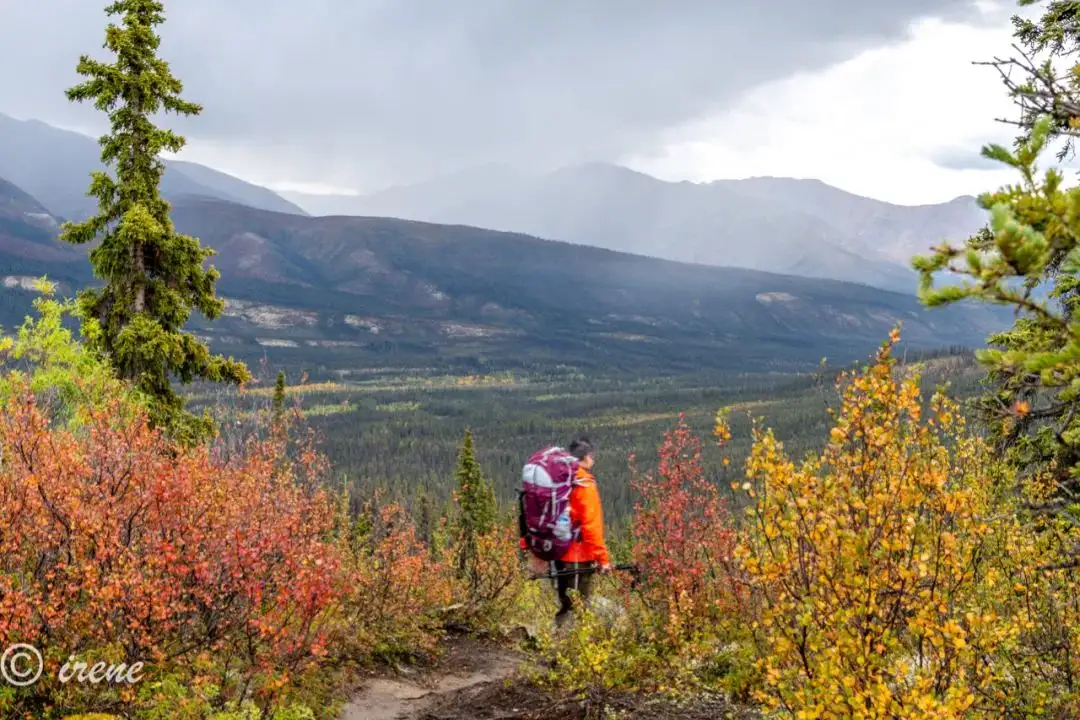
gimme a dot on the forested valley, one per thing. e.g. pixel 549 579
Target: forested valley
pixel 402 434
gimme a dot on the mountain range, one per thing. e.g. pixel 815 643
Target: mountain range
pixel 352 293
pixel 783 225
pixel 54 166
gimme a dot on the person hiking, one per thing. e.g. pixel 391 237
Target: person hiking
pixel 588 550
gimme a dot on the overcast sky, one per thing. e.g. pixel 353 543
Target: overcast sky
pixel 875 96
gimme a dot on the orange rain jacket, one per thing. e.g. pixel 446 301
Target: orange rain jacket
pixel 587 516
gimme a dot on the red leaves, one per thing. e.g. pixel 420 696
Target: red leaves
pixel 110 537
pixel 390 610
pixel 682 539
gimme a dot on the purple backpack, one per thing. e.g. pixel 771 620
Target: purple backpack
pixel 546 482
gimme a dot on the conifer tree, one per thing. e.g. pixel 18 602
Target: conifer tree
pixel 154 277
pixel 476 496
pixel 1031 248
pixel 476 511
pixel 425 523
pixel 1035 78
pixel 279 396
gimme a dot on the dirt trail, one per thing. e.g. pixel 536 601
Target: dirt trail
pixel 469 682
pixel 466 665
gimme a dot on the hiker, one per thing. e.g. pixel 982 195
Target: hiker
pixel 587 550
pixel 560 520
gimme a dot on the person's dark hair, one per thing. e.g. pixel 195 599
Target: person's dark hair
pixel 582 447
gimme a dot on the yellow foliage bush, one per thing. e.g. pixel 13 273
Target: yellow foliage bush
pixel 878 567
pixel 1039 673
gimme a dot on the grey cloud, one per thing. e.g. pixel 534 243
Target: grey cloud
pixel 971 158
pixel 964 159
pixel 379 91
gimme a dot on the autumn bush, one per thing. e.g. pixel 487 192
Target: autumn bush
pixel 490 597
pixel 682 541
pixel 228 568
pixel 114 541
pixel 888 569
pixel 397 588
pixel 891 575
pixel 1039 670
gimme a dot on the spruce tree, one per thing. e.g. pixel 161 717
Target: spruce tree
pixel 476 508
pixel 425 522
pixel 154 277
pixel 279 396
pixel 475 495
pixel 1028 259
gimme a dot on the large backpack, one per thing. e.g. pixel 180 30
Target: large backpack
pixel 544 520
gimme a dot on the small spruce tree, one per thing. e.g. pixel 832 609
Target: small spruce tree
pixel 154 277
pixel 476 507
pixel 425 523
pixel 279 396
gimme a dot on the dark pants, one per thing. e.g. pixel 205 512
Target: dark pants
pixel 582 582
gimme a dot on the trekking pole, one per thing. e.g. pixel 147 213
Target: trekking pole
pixel 626 567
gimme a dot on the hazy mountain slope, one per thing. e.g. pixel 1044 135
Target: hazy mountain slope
pixel 54 166
pixel 511 292
pixel 775 224
pixel 28 250
pixel 361 291
pixel 28 230
pixel 17 203
pixel 227 187
pixel 897 232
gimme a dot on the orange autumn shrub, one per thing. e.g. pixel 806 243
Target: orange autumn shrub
pixel 226 568
pixel 395 588
pixel 880 565
pixel 114 542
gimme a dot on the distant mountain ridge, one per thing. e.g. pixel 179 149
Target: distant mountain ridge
pixel 784 225
pixel 15 202
pixel 54 166
pixel 780 225
pixel 350 293
pixel 28 230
